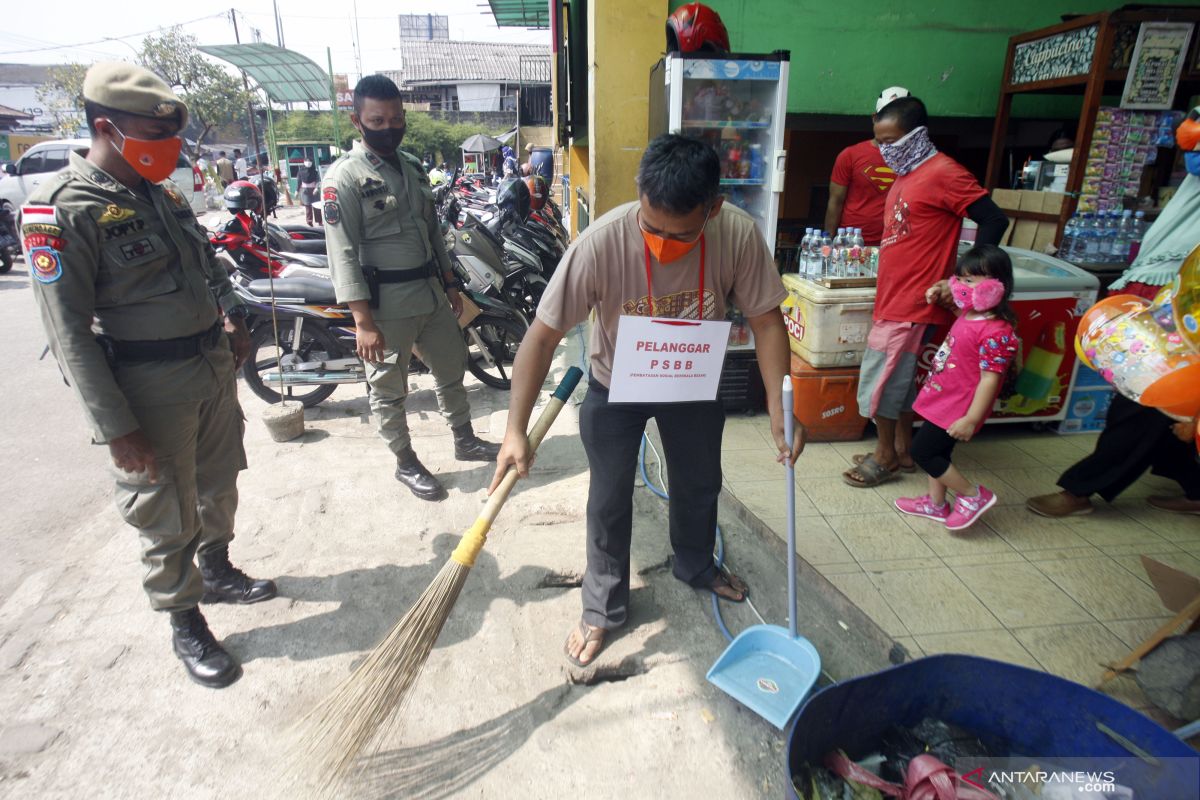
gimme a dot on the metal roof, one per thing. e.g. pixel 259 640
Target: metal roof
pixel 439 62
pixel 521 13
pixel 285 75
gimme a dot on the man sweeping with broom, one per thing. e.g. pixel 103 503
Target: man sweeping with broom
pixel 676 252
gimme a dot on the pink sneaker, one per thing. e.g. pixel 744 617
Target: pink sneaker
pixel 923 507
pixel 969 509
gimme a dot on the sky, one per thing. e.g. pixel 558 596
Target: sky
pixel 309 26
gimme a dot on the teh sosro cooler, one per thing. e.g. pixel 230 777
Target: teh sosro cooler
pixel 827 330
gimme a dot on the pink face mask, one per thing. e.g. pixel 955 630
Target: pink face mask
pixel 982 296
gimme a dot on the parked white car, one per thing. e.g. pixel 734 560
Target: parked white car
pixel 45 158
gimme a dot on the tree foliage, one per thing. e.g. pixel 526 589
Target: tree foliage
pixel 62 98
pixel 426 135
pixel 213 95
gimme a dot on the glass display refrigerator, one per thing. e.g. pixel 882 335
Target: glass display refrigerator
pixel 738 104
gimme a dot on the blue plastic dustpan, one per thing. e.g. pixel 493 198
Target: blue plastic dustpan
pixel 770 669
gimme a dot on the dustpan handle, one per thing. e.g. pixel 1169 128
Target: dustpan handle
pixel 789 432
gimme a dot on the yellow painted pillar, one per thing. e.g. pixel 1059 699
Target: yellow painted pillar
pixel 625 39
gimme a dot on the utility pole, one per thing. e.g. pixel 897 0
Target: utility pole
pixel 357 41
pixel 278 24
pixel 249 102
pixel 333 103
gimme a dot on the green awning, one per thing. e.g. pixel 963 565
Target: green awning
pixel 521 13
pixel 285 75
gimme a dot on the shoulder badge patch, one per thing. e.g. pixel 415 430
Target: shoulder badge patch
pixel 329 194
pixel 38 227
pixel 114 213
pixel 43 215
pixel 33 240
pixel 46 264
pixel 333 214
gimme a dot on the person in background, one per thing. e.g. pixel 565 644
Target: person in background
pixel 924 211
pixel 309 181
pixel 239 166
pixel 860 183
pixel 961 389
pixel 677 251
pixel 509 168
pixel 225 170
pixel 1137 438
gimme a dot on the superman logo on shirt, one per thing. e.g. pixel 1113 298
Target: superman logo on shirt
pixel 881 178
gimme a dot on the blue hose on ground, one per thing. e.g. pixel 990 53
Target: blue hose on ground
pixel 719 558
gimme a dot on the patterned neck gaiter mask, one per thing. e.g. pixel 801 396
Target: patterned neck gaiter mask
pixel 906 153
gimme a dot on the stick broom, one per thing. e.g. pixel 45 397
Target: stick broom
pixel 354 715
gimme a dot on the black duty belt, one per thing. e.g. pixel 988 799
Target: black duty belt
pixel 118 350
pixel 376 276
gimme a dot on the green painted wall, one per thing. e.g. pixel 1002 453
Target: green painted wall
pixel 950 53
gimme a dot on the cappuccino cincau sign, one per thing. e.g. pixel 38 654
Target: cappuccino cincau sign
pixel 1063 55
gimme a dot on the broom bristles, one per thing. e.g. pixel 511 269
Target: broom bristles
pixel 350 722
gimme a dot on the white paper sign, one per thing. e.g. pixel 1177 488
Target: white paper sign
pixel 667 360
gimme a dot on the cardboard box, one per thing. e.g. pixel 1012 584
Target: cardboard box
pixel 1087 409
pixel 1023 233
pixel 1007 198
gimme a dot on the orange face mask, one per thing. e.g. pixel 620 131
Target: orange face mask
pixel 667 250
pixel 153 159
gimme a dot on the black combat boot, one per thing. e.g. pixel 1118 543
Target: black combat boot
pixel 225 583
pixel 206 662
pixel 420 481
pixel 469 447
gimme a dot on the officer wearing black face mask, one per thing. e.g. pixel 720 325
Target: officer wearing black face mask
pixel 389 264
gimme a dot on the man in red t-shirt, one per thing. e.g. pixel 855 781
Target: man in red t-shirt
pixel 923 215
pixel 860 183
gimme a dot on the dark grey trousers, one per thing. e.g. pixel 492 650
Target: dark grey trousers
pixel 611 434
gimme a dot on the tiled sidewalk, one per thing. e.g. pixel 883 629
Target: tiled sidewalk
pixel 1060 595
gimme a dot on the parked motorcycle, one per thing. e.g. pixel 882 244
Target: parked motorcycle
pixel 242 240
pixel 316 345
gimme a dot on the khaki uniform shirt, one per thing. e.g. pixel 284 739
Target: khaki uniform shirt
pixel 133 265
pixel 378 216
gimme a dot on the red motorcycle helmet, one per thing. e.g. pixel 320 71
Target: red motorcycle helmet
pixel 242 196
pixel 538 191
pixel 696 28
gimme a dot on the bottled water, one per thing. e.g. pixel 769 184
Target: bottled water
pixel 826 253
pixel 1078 249
pixel 1091 242
pixel 1120 253
pixel 802 252
pixel 1108 237
pixel 1139 232
pixel 839 253
pixel 1070 232
pixel 857 251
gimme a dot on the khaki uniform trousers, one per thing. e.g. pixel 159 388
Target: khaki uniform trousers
pixel 199 449
pixel 439 344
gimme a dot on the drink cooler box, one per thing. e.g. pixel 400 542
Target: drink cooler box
pixel 826 401
pixel 1087 407
pixel 827 327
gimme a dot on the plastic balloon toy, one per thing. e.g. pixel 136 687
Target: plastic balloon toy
pixel 1150 351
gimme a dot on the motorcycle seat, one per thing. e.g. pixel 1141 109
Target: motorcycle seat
pixel 310 246
pixel 312 290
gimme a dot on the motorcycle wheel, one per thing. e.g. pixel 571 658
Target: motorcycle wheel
pixel 501 336
pixel 6 260
pixel 262 360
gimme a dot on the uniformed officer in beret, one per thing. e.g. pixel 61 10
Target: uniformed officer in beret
pixel 389 264
pixel 148 332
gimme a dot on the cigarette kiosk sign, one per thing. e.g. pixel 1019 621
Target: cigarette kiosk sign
pixel 341 85
pixel 1062 55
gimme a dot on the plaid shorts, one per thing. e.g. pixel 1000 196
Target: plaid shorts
pixel 886 381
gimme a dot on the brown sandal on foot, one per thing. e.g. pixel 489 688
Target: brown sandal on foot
pixel 861 457
pixel 589 635
pixel 733 582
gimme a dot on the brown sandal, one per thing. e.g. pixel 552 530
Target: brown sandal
pixel 733 582
pixel 589 635
pixel 861 457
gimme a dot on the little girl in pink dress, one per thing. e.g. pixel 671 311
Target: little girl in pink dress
pixel 958 395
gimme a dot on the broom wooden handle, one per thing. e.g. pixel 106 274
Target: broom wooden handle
pixel 472 541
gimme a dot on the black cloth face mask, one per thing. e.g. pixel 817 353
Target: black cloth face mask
pixel 384 140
